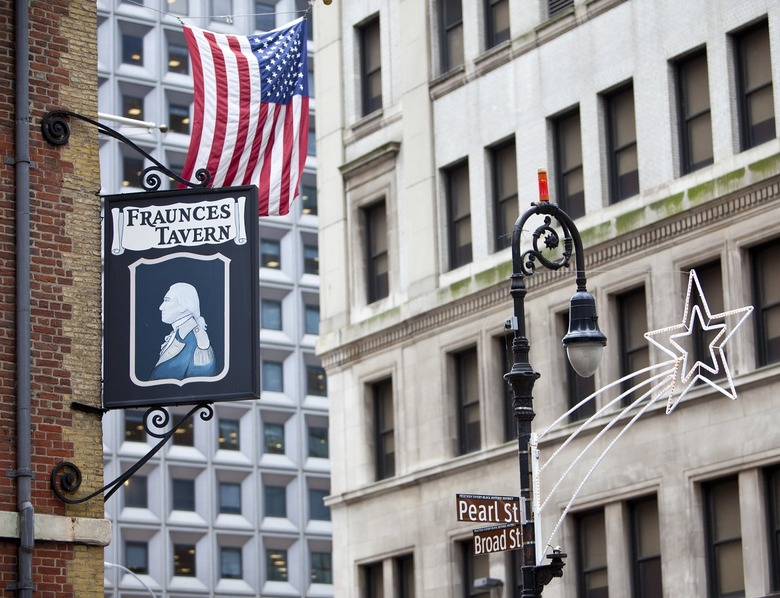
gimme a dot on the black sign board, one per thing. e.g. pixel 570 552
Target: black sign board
pixel 181 297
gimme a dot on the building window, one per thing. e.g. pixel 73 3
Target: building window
pixel 136 492
pixel 754 86
pixel 569 183
pixel 724 539
pixel 132 107
pixel 311 319
pixel 178 58
pixel 503 165
pixel 229 435
pixel 592 555
pixel 273 376
pixel 373 581
pixel 276 560
pixel 634 350
pixel 621 144
pixel 273 437
pixel 451 28
pixel 378 265
pixel 773 513
pixel 270 254
pixel 230 566
pixel 185 435
pixel 473 567
pixel 179 119
pixel 309 192
pixel 456 181
pixel 646 548
pixel 311 260
pixel 711 282
pixel 577 387
pixel 132 49
pixel 275 501
pixel 318 511
pixel 384 428
pixel 318 442
pixel 404 576
pixel 316 381
pixel 693 107
pixel 265 16
pixel 271 314
pixel 311 148
pixel 370 66
pixel 766 299
pixel 184 560
pixel 496 21
pixel 505 350
pixel 230 498
pixel 131 171
pixel 321 567
pixel 137 557
pixel 134 426
pixel 467 394
pixel 556 6
pixel 183 495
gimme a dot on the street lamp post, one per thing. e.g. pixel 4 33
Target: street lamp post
pixel 584 344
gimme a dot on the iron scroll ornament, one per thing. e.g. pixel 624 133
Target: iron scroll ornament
pixel 66 476
pixel 56 130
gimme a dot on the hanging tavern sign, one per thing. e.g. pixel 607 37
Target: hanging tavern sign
pixel 181 297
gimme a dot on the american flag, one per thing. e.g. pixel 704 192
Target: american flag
pixel 251 117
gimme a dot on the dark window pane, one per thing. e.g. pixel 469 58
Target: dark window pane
pixel 137 557
pixel 316 381
pixel 184 495
pixel 276 562
pixel 230 498
pixel 184 560
pixel 275 501
pixel 321 568
pixel 371 66
pixel 634 349
pixel 724 539
pixel 451 29
pixel 274 438
pixel 505 204
pixel 570 192
pixel 318 442
pixel 592 548
pixel 766 299
pixel 467 393
pixel 131 171
pixel 754 80
pixel 311 259
pixel 185 435
pixel 133 107
pixel 132 49
pixel 178 58
pixel 272 376
pixel 458 215
pixel 378 265
pixel 229 438
pixel 136 492
pixel 497 21
pixel 134 426
pixel 311 316
pixel 270 254
pixel 317 509
pixel 773 517
pixel 265 16
pixel 646 548
pixel 230 563
pixel 556 6
pixel 179 119
pixel 384 426
pixel 271 314
pixel 694 112
pixel 621 137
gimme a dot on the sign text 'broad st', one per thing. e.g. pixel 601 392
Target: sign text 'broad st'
pixel 497 538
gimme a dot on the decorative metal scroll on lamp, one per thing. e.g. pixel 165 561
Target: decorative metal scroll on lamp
pixel 66 477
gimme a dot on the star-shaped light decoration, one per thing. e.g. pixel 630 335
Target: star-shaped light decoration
pixel 697 316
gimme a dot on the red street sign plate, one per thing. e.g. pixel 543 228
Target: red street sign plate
pixel 497 538
pixel 484 508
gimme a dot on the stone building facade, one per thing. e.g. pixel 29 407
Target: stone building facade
pixel 63 306
pixel 657 124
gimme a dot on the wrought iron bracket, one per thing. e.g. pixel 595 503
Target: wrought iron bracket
pixel 55 128
pixel 66 476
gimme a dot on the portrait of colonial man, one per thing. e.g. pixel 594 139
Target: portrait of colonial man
pixel 186 351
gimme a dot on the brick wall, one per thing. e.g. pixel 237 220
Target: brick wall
pixel 65 286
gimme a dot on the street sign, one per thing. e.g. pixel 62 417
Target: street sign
pixel 497 538
pixel 484 508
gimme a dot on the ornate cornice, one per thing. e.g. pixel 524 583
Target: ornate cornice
pixel 714 213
